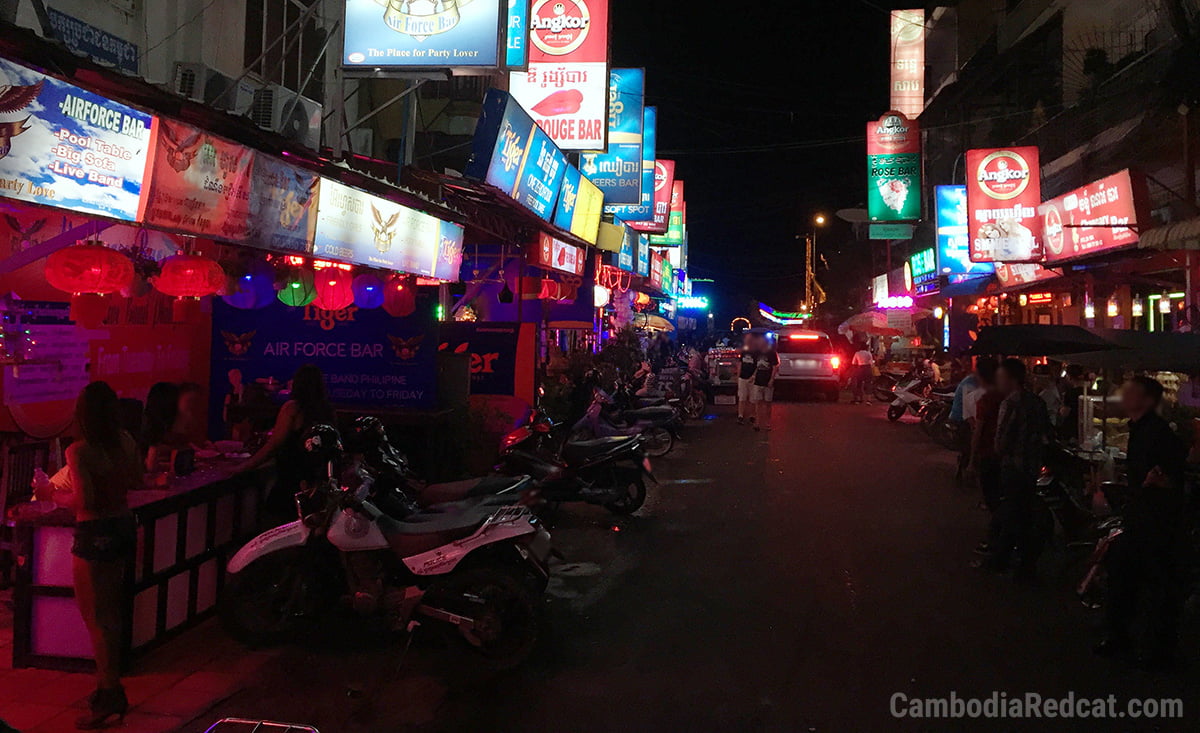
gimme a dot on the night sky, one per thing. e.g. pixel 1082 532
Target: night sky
pixel 756 104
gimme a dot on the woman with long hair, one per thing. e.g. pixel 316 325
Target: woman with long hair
pixel 158 422
pixel 308 405
pixel 104 466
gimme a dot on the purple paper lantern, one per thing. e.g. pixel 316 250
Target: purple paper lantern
pixel 255 287
pixel 368 290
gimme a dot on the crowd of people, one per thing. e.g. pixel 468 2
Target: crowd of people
pixel 1012 426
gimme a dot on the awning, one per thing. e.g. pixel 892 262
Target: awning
pixel 1180 235
pixel 969 287
pixel 1039 340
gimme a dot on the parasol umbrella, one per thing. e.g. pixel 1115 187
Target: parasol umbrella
pixel 864 321
pixel 655 322
pixel 1144 351
pixel 1039 340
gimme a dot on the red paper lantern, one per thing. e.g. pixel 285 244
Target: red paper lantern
pixel 400 297
pixel 335 289
pixel 190 276
pixel 89 310
pixel 89 268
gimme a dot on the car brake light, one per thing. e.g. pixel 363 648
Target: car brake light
pixel 835 362
pixel 804 337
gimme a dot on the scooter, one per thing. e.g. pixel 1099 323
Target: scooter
pixel 610 472
pixel 909 395
pixel 656 429
pixel 478 566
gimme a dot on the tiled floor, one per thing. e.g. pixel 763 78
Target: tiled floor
pixel 172 685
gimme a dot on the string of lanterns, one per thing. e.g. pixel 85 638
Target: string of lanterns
pixel 91 272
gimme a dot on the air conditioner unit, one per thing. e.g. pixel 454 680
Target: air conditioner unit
pixel 200 83
pixel 303 117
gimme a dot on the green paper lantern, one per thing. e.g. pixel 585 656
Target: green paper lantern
pixel 298 289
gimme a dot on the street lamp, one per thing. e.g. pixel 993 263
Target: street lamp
pixel 810 260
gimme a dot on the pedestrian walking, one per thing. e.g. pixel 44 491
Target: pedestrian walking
pixel 1145 563
pixel 746 369
pixel 863 363
pixel 765 371
pixel 981 412
pixel 966 385
pixel 1022 432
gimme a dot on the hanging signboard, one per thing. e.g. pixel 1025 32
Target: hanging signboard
pixel 628 244
pixel 656 269
pixel 513 154
pixel 580 205
pixel 1019 274
pixel 516 52
pixel 566 86
pixel 644 210
pixel 924 272
pixel 664 186
pixel 893 168
pixel 1104 215
pixel 879 289
pixel 954 233
pixel 676 221
pixel 200 183
pixel 908 62
pixel 93 42
pixel 618 172
pixel 1004 191
pixel 643 256
pixel 355 226
pixel 890 231
pixel 67 147
pixel 283 206
pixel 423 34
pixel 555 254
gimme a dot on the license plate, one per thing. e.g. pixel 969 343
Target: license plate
pixel 805 363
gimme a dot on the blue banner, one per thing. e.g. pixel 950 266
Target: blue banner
pixel 368 357
pixel 516 54
pixel 643 255
pixel 618 172
pixel 954 235
pixel 93 42
pixel 643 211
pixel 513 154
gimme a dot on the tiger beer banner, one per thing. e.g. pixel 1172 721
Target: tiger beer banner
pixel 199 183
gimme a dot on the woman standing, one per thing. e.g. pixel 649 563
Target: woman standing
pixel 308 405
pixel 104 466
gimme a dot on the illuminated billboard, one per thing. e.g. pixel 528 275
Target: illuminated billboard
pixel 676 222
pixel 1102 216
pixel 664 185
pixel 954 233
pixel 618 172
pixel 1004 190
pixel 908 61
pixel 566 85
pixel 516 51
pixel 893 168
pixel 423 33
pixel 922 268
pixel 580 206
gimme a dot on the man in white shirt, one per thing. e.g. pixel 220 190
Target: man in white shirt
pixel 863 363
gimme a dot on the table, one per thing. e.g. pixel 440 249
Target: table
pixel 186 533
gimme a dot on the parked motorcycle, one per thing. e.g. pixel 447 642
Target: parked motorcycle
pixel 609 472
pixel 656 425
pixel 909 395
pixel 478 565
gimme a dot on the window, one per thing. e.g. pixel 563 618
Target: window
pixel 804 345
pixel 288 61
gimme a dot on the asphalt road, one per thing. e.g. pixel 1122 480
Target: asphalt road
pixel 786 581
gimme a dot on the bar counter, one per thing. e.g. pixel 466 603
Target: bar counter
pixel 186 533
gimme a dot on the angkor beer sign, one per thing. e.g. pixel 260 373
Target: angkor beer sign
pixel 908 61
pixel 1101 216
pixel 1004 191
pixel 893 168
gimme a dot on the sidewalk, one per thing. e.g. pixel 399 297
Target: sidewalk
pixel 173 684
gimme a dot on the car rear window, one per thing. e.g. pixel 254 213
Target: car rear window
pixel 819 345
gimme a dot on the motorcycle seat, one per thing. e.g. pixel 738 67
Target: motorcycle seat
pixel 649 413
pixel 440 519
pixel 476 487
pixel 652 401
pixel 590 448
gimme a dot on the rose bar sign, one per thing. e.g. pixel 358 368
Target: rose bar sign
pixel 1004 191
pixel 1101 216
pixel 893 168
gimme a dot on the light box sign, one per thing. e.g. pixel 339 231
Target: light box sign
pixel 656 270
pixel 200 183
pixel 924 271
pixel 566 86
pixel 554 254
pixel 283 206
pixel 908 61
pixel 94 42
pixel 513 154
pixel 1102 216
pixel 625 257
pixel 356 226
pixel 675 222
pixel 516 52
pixel 879 289
pixel 580 205
pixel 664 185
pixel 954 233
pixel 1004 191
pixel 644 210
pixel 893 168
pixel 64 146
pixel 643 255
pixel 422 33
pixel 618 172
